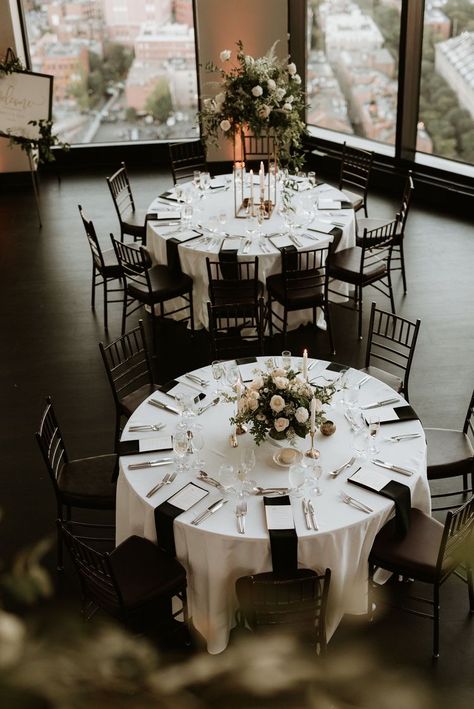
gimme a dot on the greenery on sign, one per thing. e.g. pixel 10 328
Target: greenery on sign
pixel 278 404
pixel 263 95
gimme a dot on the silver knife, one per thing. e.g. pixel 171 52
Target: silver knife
pixel 403 436
pixel 363 381
pixel 160 405
pixel 396 468
pixel 150 464
pixel 210 510
pixel 197 380
pixel 385 402
pixel 304 502
pixel 313 516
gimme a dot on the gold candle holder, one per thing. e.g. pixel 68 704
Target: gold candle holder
pixel 312 452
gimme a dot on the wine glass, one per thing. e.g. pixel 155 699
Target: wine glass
pixel 297 477
pixel 185 406
pixel 218 371
pixel 232 374
pixel 180 448
pixel 312 178
pixel 373 430
pixel 314 470
pixel 247 464
pixel 204 182
pixel 222 219
pixel 196 444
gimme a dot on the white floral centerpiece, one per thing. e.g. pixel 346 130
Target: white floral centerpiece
pixel 263 94
pixel 278 404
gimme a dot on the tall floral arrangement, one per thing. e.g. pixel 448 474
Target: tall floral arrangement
pixel 278 404
pixel 262 94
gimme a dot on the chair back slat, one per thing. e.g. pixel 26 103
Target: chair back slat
pixel 185 158
pixel 236 329
pixel 121 192
pixel 233 281
pixel 304 271
pixel 402 214
pixel 377 245
pixel 457 540
pixel 127 362
pixel 134 263
pixel 355 170
pixel 94 245
pixel 51 443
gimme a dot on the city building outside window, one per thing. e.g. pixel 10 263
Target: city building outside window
pixel 123 70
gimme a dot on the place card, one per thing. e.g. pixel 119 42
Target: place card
pixel 320 226
pixel 369 479
pixel 231 243
pixel 187 235
pixel 145 445
pixel 175 389
pixel 279 517
pixel 281 241
pixel 325 203
pixel 188 496
pixel 247 367
pixel 167 214
pixel 389 414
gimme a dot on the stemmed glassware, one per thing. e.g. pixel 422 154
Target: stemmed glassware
pixel 218 371
pixel 314 472
pixel 195 445
pixel 180 448
pixel 247 464
pixel 226 477
pixel 204 182
pixel 286 359
pixel 373 430
pixel 297 478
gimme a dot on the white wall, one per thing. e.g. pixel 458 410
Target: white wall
pixel 220 23
pixel 11 159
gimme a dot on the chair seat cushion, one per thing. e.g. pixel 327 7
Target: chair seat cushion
pixel 355 199
pixel 345 265
pixel 87 482
pixel 133 400
pixel 144 572
pixel 416 554
pixel 111 266
pixel 165 284
pixel 293 299
pixel 450 453
pixel 236 292
pixel 391 379
pixel 134 222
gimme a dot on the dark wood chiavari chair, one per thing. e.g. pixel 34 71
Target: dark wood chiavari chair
pixel 132 222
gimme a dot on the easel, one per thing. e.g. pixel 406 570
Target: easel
pixel 11 57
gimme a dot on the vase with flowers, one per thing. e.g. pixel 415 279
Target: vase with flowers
pixel 261 95
pixel 278 404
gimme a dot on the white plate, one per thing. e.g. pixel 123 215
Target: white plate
pixel 276 459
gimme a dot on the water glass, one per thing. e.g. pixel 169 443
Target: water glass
pixel 218 371
pixel 226 477
pixel 232 374
pixel 204 182
pixel 286 359
pixel 180 448
pixel 197 178
pixel 195 446
pixel 312 178
pixel 314 472
pixel 222 219
pixel 297 477
pixel 373 430
pixel 186 215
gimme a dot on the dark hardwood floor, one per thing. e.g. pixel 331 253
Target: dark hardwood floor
pixel 49 346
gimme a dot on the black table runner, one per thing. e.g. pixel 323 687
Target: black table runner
pixel 283 542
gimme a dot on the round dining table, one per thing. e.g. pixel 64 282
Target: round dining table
pixel 214 552
pixel 311 230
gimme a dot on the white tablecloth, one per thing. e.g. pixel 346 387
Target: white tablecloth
pixel 193 259
pixel 215 555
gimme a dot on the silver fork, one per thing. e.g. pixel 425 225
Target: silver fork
pixel 335 473
pixel 147 427
pixel 355 503
pixel 167 480
pixel 240 512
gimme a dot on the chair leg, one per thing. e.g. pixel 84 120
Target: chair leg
pixel 436 621
pixel 360 313
pixel 285 327
pixel 390 290
pixel 124 312
pixel 402 263
pixel 106 322
pixel 329 327
pixel 470 586
pixel 191 310
pixel 269 316
pixel 117 433
pixel 93 287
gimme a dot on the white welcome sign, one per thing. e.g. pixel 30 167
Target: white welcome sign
pixel 24 96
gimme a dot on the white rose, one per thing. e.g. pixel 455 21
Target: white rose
pixel 225 55
pixel 277 403
pixel 279 93
pixel 271 85
pixel 220 98
pixel 253 404
pixel 257 91
pixel 279 372
pixel 318 406
pixel 290 99
pixel 281 423
pixel 242 405
pixel 281 382
pixel 264 111
pixel 301 414
pixel 253 395
pixel 256 383
pixel 250 61
pixel 225 125
pixel 291 69
pixel 287 106
pixel 296 78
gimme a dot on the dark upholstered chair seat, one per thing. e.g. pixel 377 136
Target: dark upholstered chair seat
pixel 304 298
pixel 236 292
pixel 132 401
pixel 144 572
pixel 450 453
pixel 111 265
pixel 87 482
pixel 387 377
pixel 134 220
pixel 414 556
pixel 346 264
pixel 165 284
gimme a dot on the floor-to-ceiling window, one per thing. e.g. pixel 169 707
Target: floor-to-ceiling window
pixel 123 70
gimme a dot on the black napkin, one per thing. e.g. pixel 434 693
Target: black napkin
pixel 228 262
pixel 172 253
pixel 335 367
pixel 165 514
pixel 401 496
pixel 402 413
pixel 165 388
pixel 168 195
pixel 283 543
pixel 245 360
pixel 133 447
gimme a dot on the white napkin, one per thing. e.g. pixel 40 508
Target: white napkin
pixel 369 478
pixel 187 497
pixel 326 203
pixel 158 443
